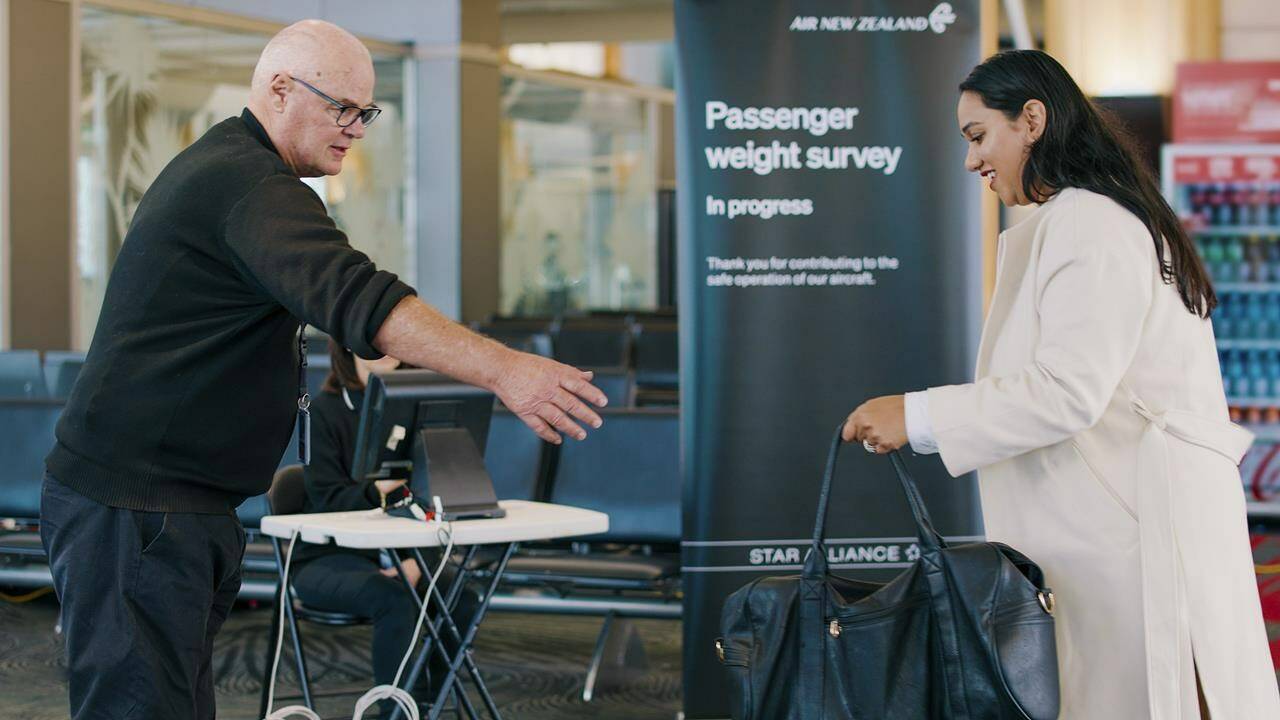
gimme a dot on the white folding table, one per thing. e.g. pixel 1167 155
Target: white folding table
pixel 373 529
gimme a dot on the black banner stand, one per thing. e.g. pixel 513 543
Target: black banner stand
pixel 829 253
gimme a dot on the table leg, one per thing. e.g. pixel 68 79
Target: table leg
pixel 446 620
pixel 433 640
pixel 284 596
pixel 465 642
pixel 269 658
pixel 455 592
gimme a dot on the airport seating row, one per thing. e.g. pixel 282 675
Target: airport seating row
pixel 635 354
pixel 629 469
pixel 644 347
pixel 35 374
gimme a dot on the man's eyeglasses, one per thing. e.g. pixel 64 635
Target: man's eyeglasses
pixel 347 114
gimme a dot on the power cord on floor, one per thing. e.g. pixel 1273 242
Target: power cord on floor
pixel 291 710
pixel 393 691
pixel 27 597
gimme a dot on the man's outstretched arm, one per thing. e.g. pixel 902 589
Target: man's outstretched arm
pixel 548 396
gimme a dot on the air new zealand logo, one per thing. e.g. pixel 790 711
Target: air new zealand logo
pixel 938 21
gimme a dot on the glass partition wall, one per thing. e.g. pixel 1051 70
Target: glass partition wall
pixel 578 170
pixel 579 194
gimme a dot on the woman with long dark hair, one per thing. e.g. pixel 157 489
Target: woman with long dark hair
pixel 1097 420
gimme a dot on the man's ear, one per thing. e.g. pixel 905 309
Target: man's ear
pixel 1035 114
pixel 278 92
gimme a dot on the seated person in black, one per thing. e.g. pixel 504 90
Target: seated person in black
pixel 329 577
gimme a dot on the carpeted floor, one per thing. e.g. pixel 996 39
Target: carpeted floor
pixel 533 664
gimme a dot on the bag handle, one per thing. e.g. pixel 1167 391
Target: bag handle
pixel 816 563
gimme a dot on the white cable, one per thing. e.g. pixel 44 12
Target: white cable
pixel 447 532
pixel 387 692
pixel 289 711
pixel 284 712
pixel 393 691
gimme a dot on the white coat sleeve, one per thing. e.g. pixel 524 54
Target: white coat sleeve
pixel 1093 287
pixel 919 430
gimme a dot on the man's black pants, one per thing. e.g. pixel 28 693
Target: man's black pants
pixel 143 595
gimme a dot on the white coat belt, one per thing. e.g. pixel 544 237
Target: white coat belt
pixel 1163 598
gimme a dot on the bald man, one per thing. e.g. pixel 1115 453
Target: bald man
pixel 189 393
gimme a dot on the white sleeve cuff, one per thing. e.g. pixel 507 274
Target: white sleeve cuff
pixel 919 429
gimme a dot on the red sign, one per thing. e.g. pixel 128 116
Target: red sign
pixel 1226 167
pixel 1227 102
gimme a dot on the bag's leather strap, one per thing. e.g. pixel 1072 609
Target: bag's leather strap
pixel 816 564
pixel 811 685
pixel 944 617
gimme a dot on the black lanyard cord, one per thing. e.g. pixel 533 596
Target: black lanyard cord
pixel 304 400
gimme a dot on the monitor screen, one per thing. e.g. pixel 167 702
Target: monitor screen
pixel 431 429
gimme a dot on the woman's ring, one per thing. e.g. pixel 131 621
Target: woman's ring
pixel 869 446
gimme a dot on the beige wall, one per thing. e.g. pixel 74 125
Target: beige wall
pixel 991 14
pixel 1251 29
pixel 1131 47
pixel 40 214
pixel 4 173
pixel 480 92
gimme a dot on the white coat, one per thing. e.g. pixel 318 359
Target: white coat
pixel 1100 431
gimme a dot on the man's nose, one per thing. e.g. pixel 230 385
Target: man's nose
pixel 355 129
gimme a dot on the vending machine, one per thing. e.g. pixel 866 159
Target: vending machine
pixel 1228 198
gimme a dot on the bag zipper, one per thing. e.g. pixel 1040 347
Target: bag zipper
pixel 839 623
pixel 729 655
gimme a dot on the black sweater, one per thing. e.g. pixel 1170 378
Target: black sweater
pixel 328 477
pixel 189 392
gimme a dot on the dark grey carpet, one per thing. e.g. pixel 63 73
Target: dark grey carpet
pixel 533 664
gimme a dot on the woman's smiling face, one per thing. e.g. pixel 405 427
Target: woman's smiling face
pixel 998 146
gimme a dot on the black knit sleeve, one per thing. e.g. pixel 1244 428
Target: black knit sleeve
pixel 328 482
pixel 284 242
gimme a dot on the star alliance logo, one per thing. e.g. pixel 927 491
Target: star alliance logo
pixel 938 21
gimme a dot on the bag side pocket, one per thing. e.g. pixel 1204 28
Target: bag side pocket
pixel 1026 658
pixel 736 659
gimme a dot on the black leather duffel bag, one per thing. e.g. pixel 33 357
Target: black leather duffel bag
pixel 965 633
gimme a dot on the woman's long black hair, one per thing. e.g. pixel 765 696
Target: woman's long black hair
pixel 342 370
pixel 1082 147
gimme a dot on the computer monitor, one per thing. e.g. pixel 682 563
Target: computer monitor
pixel 429 429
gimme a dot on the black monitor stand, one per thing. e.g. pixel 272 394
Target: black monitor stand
pixel 446 462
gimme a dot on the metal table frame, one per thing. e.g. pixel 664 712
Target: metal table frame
pixel 445 603
pixel 444 636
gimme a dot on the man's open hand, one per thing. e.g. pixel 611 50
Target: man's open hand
pixel 549 396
